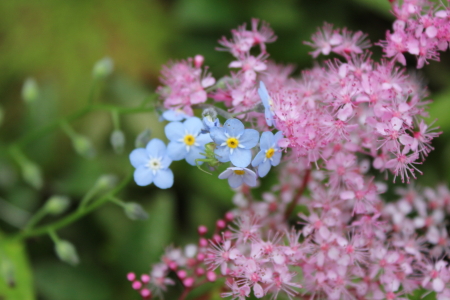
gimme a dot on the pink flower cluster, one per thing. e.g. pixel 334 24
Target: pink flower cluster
pixel 420 29
pixel 341 120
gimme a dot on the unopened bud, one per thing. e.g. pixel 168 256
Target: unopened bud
pixel 30 90
pixel 32 174
pixel 118 141
pixel 106 181
pixel 135 211
pixel 198 60
pixel 103 68
pixel 57 204
pixel 83 146
pixel 67 252
pixel 143 138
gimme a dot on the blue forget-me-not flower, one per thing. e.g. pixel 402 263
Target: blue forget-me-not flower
pixel 234 142
pixel 238 176
pixel 270 154
pixel 186 140
pixel 152 165
pixel 174 115
pixel 268 104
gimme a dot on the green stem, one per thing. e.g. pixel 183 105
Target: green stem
pixel 73 216
pixel 38 216
pixel 297 196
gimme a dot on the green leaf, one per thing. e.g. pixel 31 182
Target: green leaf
pixel 382 6
pixel 16 281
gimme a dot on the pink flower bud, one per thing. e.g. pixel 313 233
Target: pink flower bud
pixel 217 238
pixel 173 265
pixel 221 224
pixel 188 282
pixel 203 242
pixel 227 235
pixel 131 276
pixel 198 61
pixel 200 271
pixel 229 216
pixel 211 276
pixel 136 285
pixel 182 274
pixel 146 293
pixel 200 257
pixel 202 230
pixel 145 278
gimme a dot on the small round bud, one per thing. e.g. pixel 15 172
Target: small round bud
pixel 229 217
pixel 32 174
pixel 67 252
pixel 203 242
pixel 106 181
pixel 198 60
pixel 103 68
pixel 173 265
pixel 182 274
pixel 200 257
pixel 146 293
pixel 145 278
pixel 143 138
pixel 117 140
pixel 221 224
pixel 199 271
pixel 211 276
pixel 202 230
pixel 227 235
pixel 136 285
pixel 131 276
pixel 134 211
pixel 217 238
pixel 57 204
pixel 188 282
pixel 30 90
pixel 83 146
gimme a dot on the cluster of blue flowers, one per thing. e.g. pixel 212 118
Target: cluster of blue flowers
pixel 233 143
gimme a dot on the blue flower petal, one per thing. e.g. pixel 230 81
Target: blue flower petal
pixel 193 125
pixel 138 157
pixel 266 141
pixel 235 180
pixel 174 115
pixel 258 158
pixel 176 150
pixel 249 138
pixel 268 114
pixel 166 161
pixel 234 127
pixel 241 157
pixel 164 179
pixel 218 135
pixel 222 154
pixel 143 176
pixel 225 174
pixel 278 136
pixel 193 155
pixel 156 148
pixel 174 131
pixel 264 168
pixel 262 91
pixel 203 139
pixel 276 158
pixel 249 178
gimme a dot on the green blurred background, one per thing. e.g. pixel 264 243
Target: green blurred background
pixel 58 42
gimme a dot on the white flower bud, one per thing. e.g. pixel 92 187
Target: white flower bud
pixel 118 141
pixel 30 90
pixel 67 252
pixel 32 174
pixel 106 181
pixel 83 146
pixel 134 211
pixel 57 204
pixel 103 68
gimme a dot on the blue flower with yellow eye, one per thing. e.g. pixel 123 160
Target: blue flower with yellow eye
pixel 234 142
pixel 270 154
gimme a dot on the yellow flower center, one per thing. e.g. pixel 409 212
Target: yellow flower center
pixel 270 153
pixel 189 139
pixel 232 142
pixel 239 172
